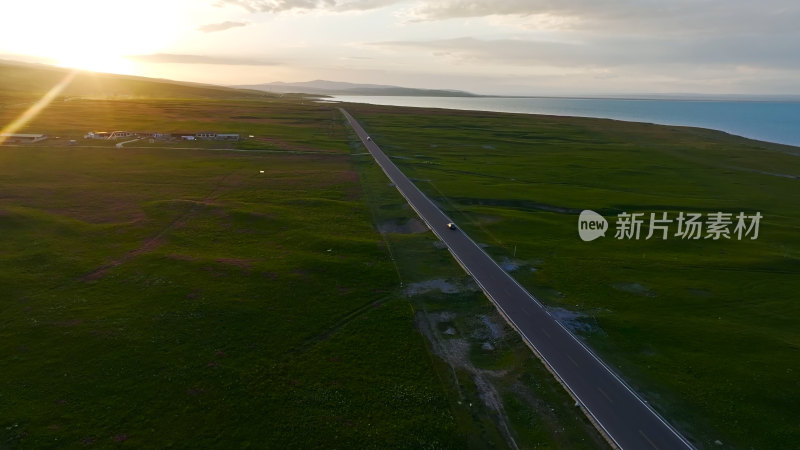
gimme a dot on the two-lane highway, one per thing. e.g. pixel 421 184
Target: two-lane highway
pixel 620 414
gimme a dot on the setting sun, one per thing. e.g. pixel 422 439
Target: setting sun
pixel 92 34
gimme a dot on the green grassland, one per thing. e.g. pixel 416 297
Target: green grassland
pixel 706 330
pixel 185 299
pixel 179 297
pixel 216 294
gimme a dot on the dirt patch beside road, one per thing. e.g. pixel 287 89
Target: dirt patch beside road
pixel 411 226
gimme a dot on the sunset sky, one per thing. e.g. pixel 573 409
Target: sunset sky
pixel 538 47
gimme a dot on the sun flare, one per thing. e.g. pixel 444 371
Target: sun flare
pixel 92 34
pixel 109 63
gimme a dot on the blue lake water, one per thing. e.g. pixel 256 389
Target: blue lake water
pixel 772 121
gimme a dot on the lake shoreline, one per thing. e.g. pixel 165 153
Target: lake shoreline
pixel 763 120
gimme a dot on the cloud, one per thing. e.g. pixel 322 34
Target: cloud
pixel 214 27
pixel 608 52
pixel 672 17
pixel 451 9
pixel 620 16
pixel 277 6
pixel 170 58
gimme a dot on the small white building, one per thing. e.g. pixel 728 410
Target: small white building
pixel 120 134
pixel 97 135
pixel 206 135
pixel 21 138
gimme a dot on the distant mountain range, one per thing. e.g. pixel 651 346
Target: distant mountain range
pixel 323 87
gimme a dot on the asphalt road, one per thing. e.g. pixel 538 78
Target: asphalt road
pixel 624 418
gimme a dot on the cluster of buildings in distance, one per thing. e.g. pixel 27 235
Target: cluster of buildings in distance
pixel 188 136
pixel 29 138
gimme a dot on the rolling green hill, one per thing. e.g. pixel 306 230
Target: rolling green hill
pixel 21 81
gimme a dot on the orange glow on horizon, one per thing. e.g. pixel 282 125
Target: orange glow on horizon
pixel 105 64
